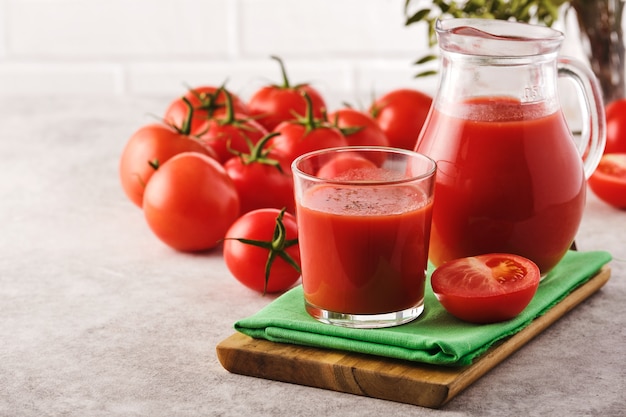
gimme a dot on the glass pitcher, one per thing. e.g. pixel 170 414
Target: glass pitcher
pixel 511 176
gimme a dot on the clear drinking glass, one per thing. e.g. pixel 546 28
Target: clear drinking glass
pixel 364 217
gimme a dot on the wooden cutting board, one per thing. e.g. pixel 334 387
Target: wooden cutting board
pixel 379 377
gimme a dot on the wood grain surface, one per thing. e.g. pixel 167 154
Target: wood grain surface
pixel 379 377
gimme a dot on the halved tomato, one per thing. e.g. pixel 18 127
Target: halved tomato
pixel 486 288
pixel 608 181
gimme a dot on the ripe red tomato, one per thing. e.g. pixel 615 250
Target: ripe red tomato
pixel 486 288
pixel 616 127
pixel 190 202
pixel 230 134
pixel 346 165
pixel 207 101
pixel 262 181
pixel 608 181
pixel 401 114
pixel 273 104
pixel 149 147
pixel 359 128
pixel 261 250
pixel 297 137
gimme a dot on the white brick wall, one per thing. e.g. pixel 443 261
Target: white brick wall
pixel 349 49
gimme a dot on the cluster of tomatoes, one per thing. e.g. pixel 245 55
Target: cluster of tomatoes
pixel 608 182
pixel 217 169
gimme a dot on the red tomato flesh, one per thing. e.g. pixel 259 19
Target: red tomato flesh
pixel 608 181
pixel 486 288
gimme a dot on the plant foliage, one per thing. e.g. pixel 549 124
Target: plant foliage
pixel 527 11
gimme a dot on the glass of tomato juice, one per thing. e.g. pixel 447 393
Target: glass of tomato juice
pixel 364 216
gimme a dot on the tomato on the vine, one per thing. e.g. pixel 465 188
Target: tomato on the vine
pixel 148 148
pixel 616 127
pixel 608 181
pixel 230 133
pixel 207 101
pixel 401 114
pixel 261 250
pixel 273 104
pixel 262 181
pixel 486 288
pixel 306 134
pixel 359 128
pixel 190 202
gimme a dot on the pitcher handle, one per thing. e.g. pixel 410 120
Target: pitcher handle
pixel 593 136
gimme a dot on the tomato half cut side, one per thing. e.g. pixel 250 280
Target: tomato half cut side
pixel 608 181
pixel 487 288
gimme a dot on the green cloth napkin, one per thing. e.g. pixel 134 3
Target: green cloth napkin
pixel 435 337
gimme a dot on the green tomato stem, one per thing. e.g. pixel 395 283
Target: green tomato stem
pixel 285 84
pixel 276 247
pixel 185 129
pixel 230 111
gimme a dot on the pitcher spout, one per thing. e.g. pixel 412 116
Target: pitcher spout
pixel 491 37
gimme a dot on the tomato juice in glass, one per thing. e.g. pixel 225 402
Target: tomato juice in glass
pixel 364 237
pixel 509 180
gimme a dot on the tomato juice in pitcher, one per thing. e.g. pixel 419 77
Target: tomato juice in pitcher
pixel 510 175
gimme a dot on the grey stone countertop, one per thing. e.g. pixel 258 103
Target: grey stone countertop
pixel 99 318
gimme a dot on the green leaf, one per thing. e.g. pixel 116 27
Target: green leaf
pixel 425 59
pixel 541 11
pixel 426 74
pixel 417 17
